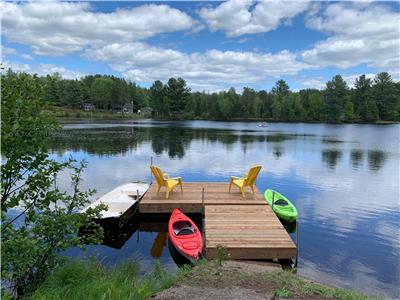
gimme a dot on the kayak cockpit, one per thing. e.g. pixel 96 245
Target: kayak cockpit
pixel 183 228
pixel 281 202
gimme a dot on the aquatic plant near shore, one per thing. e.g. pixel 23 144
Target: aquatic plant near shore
pixel 91 280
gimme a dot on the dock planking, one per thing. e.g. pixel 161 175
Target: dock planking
pixel 246 227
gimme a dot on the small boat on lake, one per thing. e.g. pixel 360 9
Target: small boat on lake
pixel 281 205
pixel 185 236
pixel 263 124
pixel 121 202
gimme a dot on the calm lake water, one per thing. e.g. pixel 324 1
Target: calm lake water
pixel 343 179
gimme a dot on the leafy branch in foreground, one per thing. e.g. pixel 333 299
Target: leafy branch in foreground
pixel 38 220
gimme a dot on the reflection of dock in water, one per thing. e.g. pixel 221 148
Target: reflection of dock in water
pixel 116 237
pixel 159 243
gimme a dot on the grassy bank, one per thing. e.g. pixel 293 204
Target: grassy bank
pixel 63 112
pixel 252 281
pixel 90 280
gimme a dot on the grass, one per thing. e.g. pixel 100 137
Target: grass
pixel 290 284
pixel 280 284
pixel 90 280
pixel 64 112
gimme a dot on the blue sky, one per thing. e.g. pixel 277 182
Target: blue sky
pixel 212 45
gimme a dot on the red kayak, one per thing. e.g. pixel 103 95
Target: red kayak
pixel 185 236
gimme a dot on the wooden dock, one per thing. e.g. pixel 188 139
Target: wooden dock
pixel 246 227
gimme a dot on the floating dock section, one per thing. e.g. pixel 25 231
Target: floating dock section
pixel 246 227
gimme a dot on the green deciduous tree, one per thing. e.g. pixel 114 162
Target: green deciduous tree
pixel 52 88
pixel 266 103
pixel 276 109
pixel 316 107
pixel 226 105
pixel 37 219
pixel 101 92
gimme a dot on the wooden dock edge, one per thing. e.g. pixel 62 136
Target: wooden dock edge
pixel 253 253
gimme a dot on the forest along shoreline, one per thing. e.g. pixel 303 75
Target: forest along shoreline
pixel 77 115
pixel 105 96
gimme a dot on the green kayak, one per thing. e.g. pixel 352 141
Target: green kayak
pixel 283 208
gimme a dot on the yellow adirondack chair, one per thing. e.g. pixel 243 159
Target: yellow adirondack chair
pixel 163 180
pixel 248 179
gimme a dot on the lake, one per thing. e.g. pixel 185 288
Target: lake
pixel 343 179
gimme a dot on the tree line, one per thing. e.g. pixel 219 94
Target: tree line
pixel 370 100
pixel 104 91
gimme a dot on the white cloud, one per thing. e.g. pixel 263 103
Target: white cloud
pixel 358 33
pixel 238 17
pixel 351 79
pixel 58 28
pixel 361 34
pixel 41 69
pixel 45 69
pixel 26 56
pixel 313 83
pixel 5 51
pixel 17 67
pixel 211 70
pixel 320 83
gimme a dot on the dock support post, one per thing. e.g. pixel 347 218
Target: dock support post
pixel 151 163
pixel 202 219
pixel 202 198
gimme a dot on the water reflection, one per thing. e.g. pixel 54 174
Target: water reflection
pixel 333 174
pixel 147 233
pixel 159 243
pixel 278 151
pixel 356 157
pixel 173 141
pixel 176 141
pixel 376 159
pixel 331 158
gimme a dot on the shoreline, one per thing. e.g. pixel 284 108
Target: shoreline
pixel 251 280
pixel 78 114
pixel 139 118
pixel 206 279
